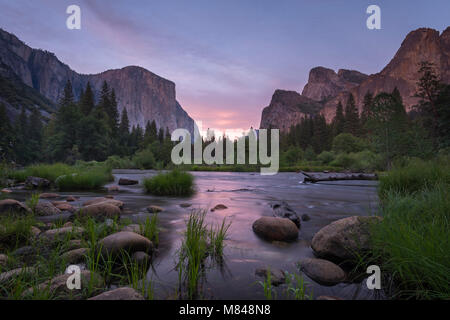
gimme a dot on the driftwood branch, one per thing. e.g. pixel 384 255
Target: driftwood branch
pixel 335 176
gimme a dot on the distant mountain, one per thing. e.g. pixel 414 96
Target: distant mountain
pixel 145 95
pixel 327 88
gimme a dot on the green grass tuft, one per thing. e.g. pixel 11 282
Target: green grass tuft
pixel 174 183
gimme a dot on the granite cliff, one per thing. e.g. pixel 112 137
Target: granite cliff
pixel 145 95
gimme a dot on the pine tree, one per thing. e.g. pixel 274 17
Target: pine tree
pixel 6 135
pixel 161 135
pixel 87 101
pixel 124 133
pixel 352 124
pixel 21 147
pixel 35 131
pixel 339 120
pixel 321 140
pixel 66 125
pixel 367 107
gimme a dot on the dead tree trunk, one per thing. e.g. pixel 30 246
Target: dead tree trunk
pixel 336 176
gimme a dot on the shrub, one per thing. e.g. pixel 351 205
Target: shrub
pixel 292 156
pixel 309 154
pixel 116 162
pixel 343 160
pixel 174 183
pixel 346 143
pixel 326 157
pixel 144 159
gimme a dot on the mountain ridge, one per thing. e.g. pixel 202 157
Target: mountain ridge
pixel 423 44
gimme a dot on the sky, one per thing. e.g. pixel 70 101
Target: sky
pixel 225 57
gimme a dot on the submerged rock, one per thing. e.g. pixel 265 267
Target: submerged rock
pixel 185 205
pixel 71 199
pixel 125 241
pixel 306 217
pixel 328 298
pixel 14 206
pixel 283 210
pixel 113 188
pixel 277 276
pixel 37 183
pixel 343 239
pixel 127 182
pixel 154 209
pixel 219 207
pixel 124 293
pixel 104 200
pixel 48 195
pixel 322 271
pixel 279 229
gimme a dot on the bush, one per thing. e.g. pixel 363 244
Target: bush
pixel 116 162
pixel 144 159
pixel 346 143
pixel 310 154
pixel 174 183
pixel 292 156
pixel 326 157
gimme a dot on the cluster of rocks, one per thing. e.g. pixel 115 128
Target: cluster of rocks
pixel 335 246
pixel 129 242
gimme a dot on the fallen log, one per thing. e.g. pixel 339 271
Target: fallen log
pixel 336 176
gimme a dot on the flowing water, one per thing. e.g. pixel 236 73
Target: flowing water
pixel 247 196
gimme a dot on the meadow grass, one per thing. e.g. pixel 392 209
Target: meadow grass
pixel 173 183
pixel 413 244
pixel 415 176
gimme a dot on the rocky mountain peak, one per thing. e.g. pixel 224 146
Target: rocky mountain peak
pixel 324 83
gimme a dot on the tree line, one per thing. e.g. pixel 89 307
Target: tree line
pixel 81 129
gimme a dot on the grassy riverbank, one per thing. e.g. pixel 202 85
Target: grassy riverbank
pixel 412 242
pixel 82 176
